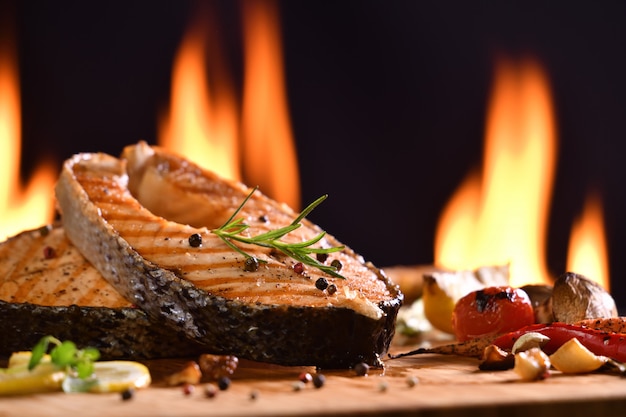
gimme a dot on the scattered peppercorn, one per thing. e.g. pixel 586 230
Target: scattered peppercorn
pixel 321 283
pixel 251 264
pixel 412 381
pixel 127 394
pixel 298 268
pixel 361 369
pixel 223 383
pixel 263 218
pixel 188 389
pixel 195 240
pixel 210 391
pixel 45 230
pixel 319 380
pixel 254 394
pixel 337 264
pixel 321 257
pixel 305 377
pixel 49 252
pixel 332 288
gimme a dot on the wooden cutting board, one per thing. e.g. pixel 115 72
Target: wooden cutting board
pixel 448 386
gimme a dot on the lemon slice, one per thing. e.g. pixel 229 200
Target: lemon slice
pixel 18 380
pixel 118 376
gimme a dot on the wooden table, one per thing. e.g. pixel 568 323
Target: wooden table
pixel 448 386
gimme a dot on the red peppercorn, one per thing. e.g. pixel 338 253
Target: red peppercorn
pixel 188 389
pixel 305 377
pixel 298 268
pixel 49 252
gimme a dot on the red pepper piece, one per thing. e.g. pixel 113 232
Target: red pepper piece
pixel 611 345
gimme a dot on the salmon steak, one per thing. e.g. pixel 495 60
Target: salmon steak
pixel 149 221
pixel 48 288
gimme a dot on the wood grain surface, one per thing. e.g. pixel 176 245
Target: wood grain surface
pixel 447 386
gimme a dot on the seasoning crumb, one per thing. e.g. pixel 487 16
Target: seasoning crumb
pixel 383 386
pixel 412 381
pixel 298 385
pixel 254 394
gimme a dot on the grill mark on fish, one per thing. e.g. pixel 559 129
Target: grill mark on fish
pixel 63 279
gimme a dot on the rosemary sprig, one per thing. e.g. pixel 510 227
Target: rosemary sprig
pixel 234 227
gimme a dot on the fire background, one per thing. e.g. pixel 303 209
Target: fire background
pixel 387 101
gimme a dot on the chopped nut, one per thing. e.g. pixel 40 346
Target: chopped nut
pixel 496 359
pixel 190 374
pixel 216 366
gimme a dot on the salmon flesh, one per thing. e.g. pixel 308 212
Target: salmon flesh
pixel 48 288
pixel 132 218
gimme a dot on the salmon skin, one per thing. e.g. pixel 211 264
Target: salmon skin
pixel 130 217
pixel 48 288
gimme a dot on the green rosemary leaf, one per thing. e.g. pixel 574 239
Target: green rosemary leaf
pixel 231 231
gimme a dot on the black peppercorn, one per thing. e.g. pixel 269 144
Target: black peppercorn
pixel 195 240
pixel 361 369
pixel 319 380
pixel 251 264
pixel 332 288
pixel 321 283
pixel 223 383
pixel 321 257
pixel 337 264
pixel 127 394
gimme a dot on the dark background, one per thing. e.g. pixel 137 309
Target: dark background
pixel 387 101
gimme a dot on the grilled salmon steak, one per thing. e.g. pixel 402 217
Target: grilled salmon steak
pixel 146 221
pixel 48 288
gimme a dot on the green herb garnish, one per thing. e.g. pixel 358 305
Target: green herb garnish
pixel 233 228
pixel 65 355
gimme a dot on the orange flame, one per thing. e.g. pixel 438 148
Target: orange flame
pixel 21 207
pixel 500 217
pixel 587 252
pixel 203 123
pixel 270 156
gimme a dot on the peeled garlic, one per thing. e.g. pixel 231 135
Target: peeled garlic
pixel 529 340
pixel 532 364
pixel 574 358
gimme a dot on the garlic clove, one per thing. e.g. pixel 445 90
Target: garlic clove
pixel 532 364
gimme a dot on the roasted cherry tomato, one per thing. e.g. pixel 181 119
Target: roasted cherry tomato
pixel 492 310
